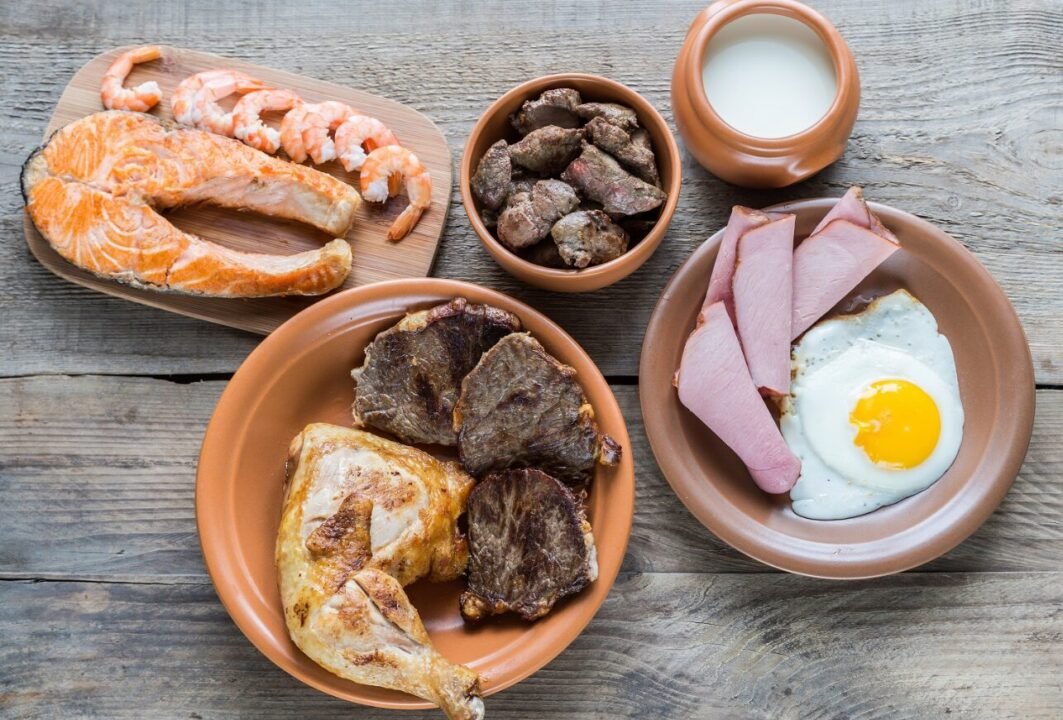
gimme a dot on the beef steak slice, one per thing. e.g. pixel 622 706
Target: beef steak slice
pixel 412 374
pixel 520 407
pixel 529 545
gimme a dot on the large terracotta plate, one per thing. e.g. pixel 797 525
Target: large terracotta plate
pixel 301 374
pixel 996 387
pixel 375 258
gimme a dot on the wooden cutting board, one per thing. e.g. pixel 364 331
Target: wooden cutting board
pixel 375 258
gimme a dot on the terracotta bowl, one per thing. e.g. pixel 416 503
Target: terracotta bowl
pixel 301 374
pixel 996 386
pixel 494 125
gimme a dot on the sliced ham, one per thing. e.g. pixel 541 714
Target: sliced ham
pixel 741 220
pixel 715 385
pixel 763 299
pixel 853 207
pixel 829 264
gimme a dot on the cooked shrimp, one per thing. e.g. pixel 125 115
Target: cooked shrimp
pixel 359 135
pixel 247 121
pixel 292 133
pixel 195 101
pixel 144 96
pixel 390 160
pixel 321 119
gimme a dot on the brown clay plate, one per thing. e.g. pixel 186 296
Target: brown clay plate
pixel 996 387
pixel 375 257
pixel 301 374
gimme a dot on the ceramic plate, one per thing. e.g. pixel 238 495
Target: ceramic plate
pixel 996 386
pixel 301 374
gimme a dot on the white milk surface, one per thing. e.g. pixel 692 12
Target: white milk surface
pixel 768 75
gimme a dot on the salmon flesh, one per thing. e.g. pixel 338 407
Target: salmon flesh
pixel 94 190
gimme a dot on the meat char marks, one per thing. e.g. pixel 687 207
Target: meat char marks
pixel 412 374
pixel 530 545
pixel 520 407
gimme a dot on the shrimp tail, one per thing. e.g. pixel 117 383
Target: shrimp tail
pixel 404 223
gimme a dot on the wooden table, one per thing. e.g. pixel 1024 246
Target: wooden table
pixel 105 608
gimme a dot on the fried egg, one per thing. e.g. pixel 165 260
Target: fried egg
pixel 874 412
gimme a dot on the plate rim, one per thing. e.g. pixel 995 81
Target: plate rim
pixel 217 562
pixel 1015 345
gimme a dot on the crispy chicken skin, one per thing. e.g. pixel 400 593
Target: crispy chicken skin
pixel 362 516
pixel 415 499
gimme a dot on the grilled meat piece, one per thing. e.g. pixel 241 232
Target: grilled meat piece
pixel 633 150
pixel 588 238
pixel 553 107
pixel 547 150
pixel 412 372
pixel 598 176
pixel 528 217
pixel 620 115
pixel 520 407
pixel 490 184
pixel 529 545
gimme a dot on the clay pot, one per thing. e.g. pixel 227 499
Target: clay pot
pixel 745 159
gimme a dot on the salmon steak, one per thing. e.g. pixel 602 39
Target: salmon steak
pixel 95 190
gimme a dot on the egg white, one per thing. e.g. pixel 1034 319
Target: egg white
pixel 835 361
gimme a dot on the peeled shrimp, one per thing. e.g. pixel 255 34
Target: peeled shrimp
pixel 292 133
pixel 359 135
pixel 390 160
pixel 321 119
pixel 247 121
pixel 139 99
pixel 195 101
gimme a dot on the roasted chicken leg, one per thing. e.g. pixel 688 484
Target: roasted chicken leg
pixel 362 516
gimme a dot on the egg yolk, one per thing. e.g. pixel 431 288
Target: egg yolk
pixel 897 423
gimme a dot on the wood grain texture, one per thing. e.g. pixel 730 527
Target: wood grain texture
pixel 663 646
pixel 375 257
pixel 957 125
pixel 98 478
pixel 105 609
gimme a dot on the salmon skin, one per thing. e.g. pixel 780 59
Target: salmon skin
pixel 93 190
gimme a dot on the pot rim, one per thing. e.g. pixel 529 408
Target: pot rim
pixel 845 71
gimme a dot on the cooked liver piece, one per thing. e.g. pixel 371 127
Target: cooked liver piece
pixel 528 217
pixel 490 184
pixel 620 115
pixel 412 374
pixel 529 545
pixel 588 237
pixel 553 107
pixel 520 407
pixel 544 253
pixel 636 155
pixel 596 175
pixel 547 150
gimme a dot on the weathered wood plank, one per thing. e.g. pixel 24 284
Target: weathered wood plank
pixel 97 475
pixel 662 646
pixel 957 125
